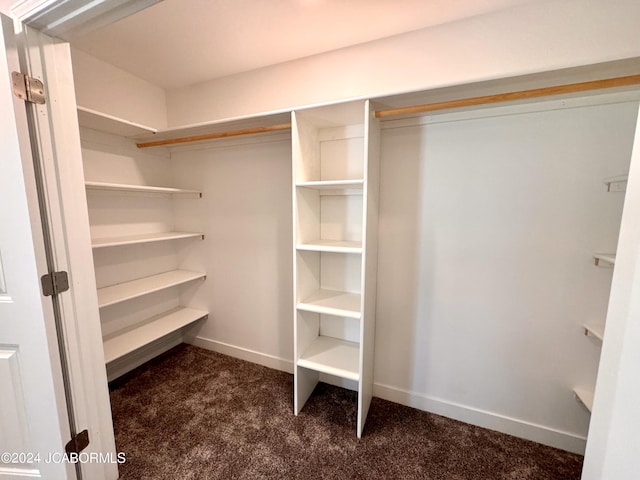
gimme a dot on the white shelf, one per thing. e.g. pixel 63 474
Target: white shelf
pixel 332 356
pixel 120 187
pixel 594 330
pixel 585 397
pixel 332 302
pixel 104 122
pixel 121 292
pixel 143 238
pixel 129 340
pixel 617 184
pixel 335 186
pixel 334 246
pixel 607 258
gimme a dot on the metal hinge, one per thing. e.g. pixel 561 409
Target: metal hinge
pixel 54 283
pixel 78 442
pixel 28 88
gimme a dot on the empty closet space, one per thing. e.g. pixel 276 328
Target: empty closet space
pixel 489 223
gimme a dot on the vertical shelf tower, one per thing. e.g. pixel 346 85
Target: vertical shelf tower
pixel 335 214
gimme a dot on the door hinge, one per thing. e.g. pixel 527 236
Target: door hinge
pixel 78 442
pixel 28 88
pixel 54 283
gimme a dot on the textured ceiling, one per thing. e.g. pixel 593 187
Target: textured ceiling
pixel 176 43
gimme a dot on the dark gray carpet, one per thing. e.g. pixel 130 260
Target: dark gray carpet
pixel 195 414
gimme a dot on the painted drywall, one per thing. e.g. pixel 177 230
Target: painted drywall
pixel 107 89
pixel 535 37
pixel 612 449
pixel 245 214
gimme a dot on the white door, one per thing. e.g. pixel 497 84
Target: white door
pixel 34 425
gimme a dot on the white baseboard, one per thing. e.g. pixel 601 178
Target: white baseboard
pixel 252 356
pixel 492 421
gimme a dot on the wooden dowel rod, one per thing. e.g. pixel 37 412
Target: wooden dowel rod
pixel 505 97
pixel 212 136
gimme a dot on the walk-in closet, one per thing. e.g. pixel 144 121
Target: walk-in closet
pixel 447 240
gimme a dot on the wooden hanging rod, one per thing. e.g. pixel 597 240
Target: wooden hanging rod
pixel 429 107
pixel 505 97
pixel 212 136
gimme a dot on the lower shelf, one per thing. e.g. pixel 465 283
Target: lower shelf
pixel 333 356
pixel 129 340
pixel 585 397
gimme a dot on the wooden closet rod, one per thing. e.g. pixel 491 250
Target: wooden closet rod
pixel 212 136
pixel 428 107
pixel 505 97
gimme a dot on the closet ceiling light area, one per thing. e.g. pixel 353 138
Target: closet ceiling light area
pixel 186 50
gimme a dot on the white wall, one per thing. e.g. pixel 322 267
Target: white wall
pixel 487 229
pixel 107 89
pixel 535 37
pixel 245 214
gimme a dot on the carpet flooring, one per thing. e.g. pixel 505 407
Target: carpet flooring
pixel 195 414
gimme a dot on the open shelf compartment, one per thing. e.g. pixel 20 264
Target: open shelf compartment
pixel 332 356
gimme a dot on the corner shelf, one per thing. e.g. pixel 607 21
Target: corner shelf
pixel 104 122
pixel 594 330
pixel 607 258
pixel 585 397
pixel 332 246
pixel 120 187
pixel 142 238
pixel 332 356
pixel 332 302
pixel 122 292
pixel 129 340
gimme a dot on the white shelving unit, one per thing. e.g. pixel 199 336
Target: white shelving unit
pixel 596 329
pixel 125 209
pixel 335 188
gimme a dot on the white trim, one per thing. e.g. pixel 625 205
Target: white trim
pixel 252 356
pixel 493 421
pixel 474 416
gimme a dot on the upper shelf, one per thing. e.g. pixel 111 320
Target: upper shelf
pixel 120 187
pixel 142 238
pixel 333 187
pixel 111 124
pixel 261 123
